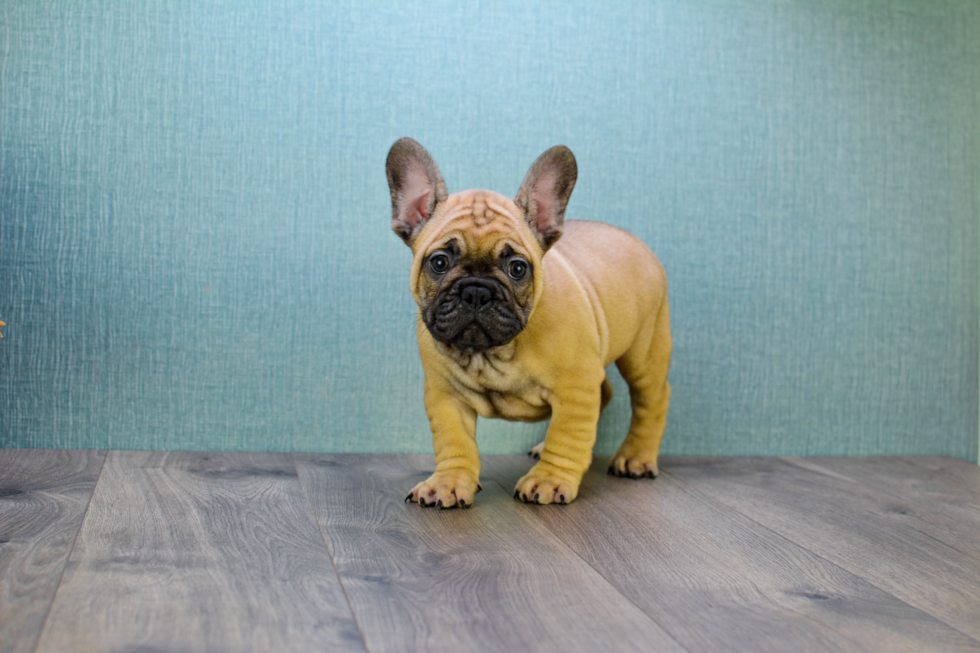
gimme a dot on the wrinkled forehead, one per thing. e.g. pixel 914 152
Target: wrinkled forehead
pixel 481 223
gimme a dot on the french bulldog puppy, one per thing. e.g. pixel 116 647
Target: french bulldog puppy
pixel 519 314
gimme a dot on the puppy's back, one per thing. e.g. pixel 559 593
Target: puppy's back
pixel 619 273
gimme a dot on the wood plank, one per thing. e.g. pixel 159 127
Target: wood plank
pixel 717 581
pixel 870 533
pixel 957 472
pixel 43 497
pixel 488 578
pixel 199 552
pixel 951 510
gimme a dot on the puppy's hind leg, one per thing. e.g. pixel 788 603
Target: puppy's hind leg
pixel 645 366
pixel 607 393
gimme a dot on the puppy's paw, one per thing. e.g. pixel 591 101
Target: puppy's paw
pixel 447 489
pixel 633 464
pixel 543 486
pixel 536 450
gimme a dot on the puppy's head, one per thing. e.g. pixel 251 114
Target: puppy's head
pixel 477 272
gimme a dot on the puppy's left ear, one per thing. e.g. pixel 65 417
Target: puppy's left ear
pixel 416 187
pixel 545 192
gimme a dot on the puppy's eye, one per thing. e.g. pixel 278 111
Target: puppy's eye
pixel 439 263
pixel 517 269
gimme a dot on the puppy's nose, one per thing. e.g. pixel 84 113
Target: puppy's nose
pixel 475 296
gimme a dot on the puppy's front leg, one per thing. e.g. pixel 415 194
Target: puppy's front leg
pixel 567 451
pixel 457 474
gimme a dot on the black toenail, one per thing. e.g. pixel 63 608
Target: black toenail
pixel 439 503
pixel 478 487
pixel 462 504
pixel 562 497
pixel 422 501
pixel 408 498
pixel 536 497
pixel 517 494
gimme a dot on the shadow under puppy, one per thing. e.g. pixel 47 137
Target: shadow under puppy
pixel 519 315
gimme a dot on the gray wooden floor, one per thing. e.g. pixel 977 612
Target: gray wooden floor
pixel 153 551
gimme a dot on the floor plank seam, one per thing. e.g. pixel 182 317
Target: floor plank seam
pixel 81 524
pixel 688 487
pixel 815 468
pixel 917 461
pixel 599 573
pixel 333 563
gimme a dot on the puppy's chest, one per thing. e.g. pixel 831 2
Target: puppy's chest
pixel 500 388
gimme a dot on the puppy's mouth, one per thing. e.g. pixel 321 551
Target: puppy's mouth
pixel 473 315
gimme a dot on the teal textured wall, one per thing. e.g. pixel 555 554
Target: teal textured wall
pixel 194 243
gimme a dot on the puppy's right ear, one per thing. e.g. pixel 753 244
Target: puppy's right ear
pixel 545 192
pixel 416 187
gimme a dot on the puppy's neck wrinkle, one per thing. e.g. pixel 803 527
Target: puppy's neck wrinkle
pixel 479 363
pixel 587 292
